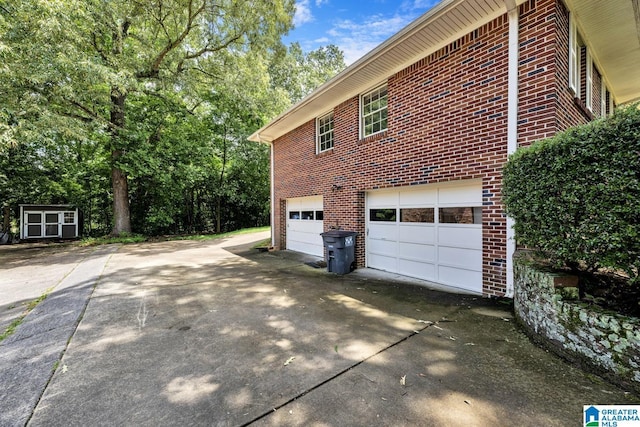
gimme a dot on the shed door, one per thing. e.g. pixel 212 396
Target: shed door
pixel 432 233
pixel 52 224
pixel 33 221
pixel 304 225
pixel 42 224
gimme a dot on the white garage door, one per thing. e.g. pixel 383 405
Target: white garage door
pixel 432 233
pixel 304 225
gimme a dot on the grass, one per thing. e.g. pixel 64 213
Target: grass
pixel 218 236
pixel 263 243
pixel 138 238
pixel 29 307
pixel 105 240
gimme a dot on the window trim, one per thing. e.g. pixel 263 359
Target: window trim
pixel 589 81
pixel 330 131
pixel 574 58
pixel 362 116
pixel 612 104
pixel 603 97
pixel 65 215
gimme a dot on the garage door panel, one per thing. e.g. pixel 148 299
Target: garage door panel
pixel 464 279
pixel 417 252
pixel 383 262
pixel 460 236
pixel 380 231
pixel 459 257
pixel 418 198
pixel 306 248
pixel 384 247
pixel 425 234
pixel 460 196
pixel 304 203
pixel 420 270
pixel 305 226
pixel 383 199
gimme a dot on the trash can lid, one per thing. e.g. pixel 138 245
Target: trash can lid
pixel 338 233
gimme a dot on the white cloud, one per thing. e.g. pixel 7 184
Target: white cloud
pixel 357 38
pixel 425 4
pixel 422 5
pixel 303 13
pixel 359 33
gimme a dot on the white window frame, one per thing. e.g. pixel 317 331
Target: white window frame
pixel 384 110
pixel 64 217
pixel 603 98
pixel 574 57
pixel 611 103
pixel 589 82
pixel 320 133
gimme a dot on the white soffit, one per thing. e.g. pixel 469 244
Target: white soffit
pixel 611 28
pixel 446 22
pixel 612 32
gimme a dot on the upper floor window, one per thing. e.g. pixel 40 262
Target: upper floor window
pixel 374 111
pixel 606 101
pixel 589 81
pixel 574 57
pixel 324 138
pixel 584 78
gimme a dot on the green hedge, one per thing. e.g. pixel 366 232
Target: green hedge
pixel 576 196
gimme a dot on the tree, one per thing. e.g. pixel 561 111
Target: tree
pixel 78 65
pixel 299 73
pixel 576 197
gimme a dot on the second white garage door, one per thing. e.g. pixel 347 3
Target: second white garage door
pixel 432 233
pixel 304 225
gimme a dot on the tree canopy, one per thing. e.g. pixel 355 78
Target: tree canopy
pixel 155 98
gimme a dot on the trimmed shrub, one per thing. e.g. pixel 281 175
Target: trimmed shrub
pixel 576 196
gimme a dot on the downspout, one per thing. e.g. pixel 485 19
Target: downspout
pixel 512 124
pixel 272 220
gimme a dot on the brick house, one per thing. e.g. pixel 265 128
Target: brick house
pixel 406 145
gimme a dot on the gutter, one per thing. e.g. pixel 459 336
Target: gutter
pixel 271 187
pixel 512 125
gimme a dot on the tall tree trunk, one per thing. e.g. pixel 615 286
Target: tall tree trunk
pixel 6 223
pixel 119 182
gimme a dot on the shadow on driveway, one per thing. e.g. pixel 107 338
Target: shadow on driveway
pixel 215 333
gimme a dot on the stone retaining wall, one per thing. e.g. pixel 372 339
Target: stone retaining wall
pixel 599 341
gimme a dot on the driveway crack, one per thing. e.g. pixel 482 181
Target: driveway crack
pixel 336 376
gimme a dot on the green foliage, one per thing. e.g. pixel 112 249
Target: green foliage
pixel 124 238
pixel 576 197
pixel 165 92
pixel 83 68
pixel 299 73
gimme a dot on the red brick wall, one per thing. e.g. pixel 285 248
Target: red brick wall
pixel 537 70
pixel 568 113
pixel 447 121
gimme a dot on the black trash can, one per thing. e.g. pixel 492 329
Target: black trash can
pixel 340 248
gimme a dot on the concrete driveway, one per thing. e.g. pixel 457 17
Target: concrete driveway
pixel 217 333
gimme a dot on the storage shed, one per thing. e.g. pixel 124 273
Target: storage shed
pixel 49 222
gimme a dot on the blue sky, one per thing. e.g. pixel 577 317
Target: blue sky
pixel 355 26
